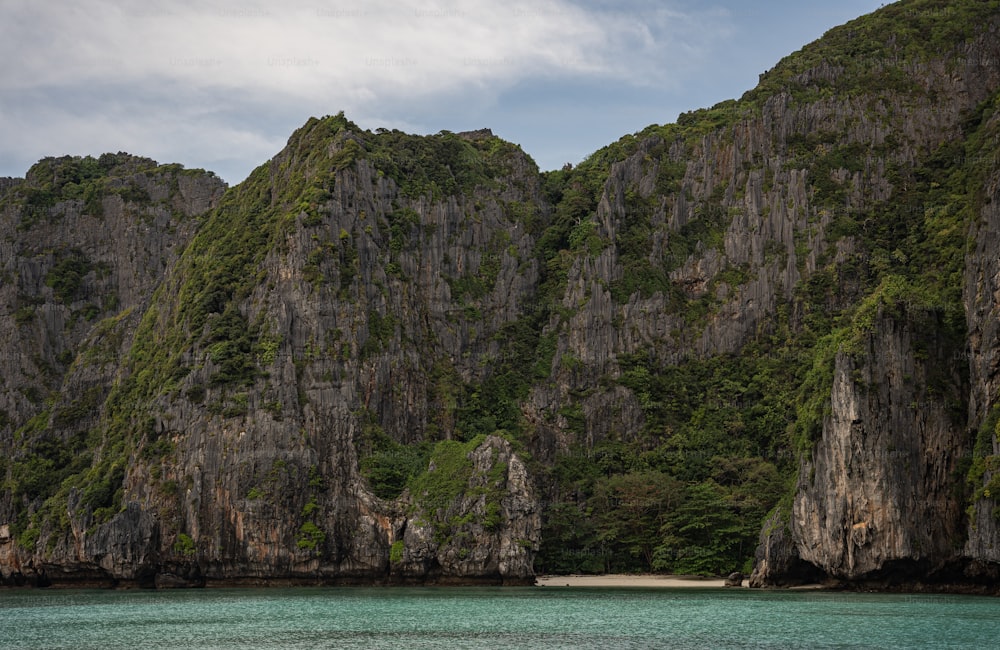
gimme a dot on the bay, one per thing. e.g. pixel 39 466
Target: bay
pixel 458 617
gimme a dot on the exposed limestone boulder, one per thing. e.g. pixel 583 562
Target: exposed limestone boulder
pixel 487 532
pixel 127 547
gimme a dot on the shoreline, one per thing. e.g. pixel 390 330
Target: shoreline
pixel 632 580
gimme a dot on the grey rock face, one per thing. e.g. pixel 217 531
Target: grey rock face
pixel 497 544
pixel 65 341
pixel 876 499
pixel 127 546
pixel 265 485
pixel 982 302
pixel 777 562
pixel 880 500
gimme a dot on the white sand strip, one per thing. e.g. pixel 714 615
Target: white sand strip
pixel 626 580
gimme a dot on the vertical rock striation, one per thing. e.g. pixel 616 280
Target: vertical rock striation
pixel 876 500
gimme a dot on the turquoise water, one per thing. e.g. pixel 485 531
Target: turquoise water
pixel 492 618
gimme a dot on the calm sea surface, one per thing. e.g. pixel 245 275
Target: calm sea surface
pixel 541 617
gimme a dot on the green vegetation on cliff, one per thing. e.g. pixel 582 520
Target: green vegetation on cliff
pixel 734 256
pixel 764 406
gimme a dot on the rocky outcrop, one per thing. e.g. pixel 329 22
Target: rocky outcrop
pixel 878 490
pixel 777 562
pixel 488 533
pixel 876 501
pixel 124 549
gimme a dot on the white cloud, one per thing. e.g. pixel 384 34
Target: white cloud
pixel 308 49
pixel 164 77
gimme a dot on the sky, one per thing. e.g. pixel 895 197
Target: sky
pixel 221 85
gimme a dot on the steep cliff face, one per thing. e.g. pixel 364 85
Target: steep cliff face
pixel 876 499
pixel 982 297
pixel 85 243
pixel 394 358
pixel 839 176
pixel 698 238
pixel 317 312
pixel 896 490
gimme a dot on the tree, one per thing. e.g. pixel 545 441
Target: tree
pixel 629 510
pixel 702 535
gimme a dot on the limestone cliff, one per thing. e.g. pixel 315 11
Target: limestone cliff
pixel 878 498
pixel 392 358
pixel 292 333
pixel 85 243
pixel 981 293
pixel 897 489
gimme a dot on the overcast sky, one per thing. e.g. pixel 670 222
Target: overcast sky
pixel 221 85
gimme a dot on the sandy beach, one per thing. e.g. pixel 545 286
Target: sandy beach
pixel 627 580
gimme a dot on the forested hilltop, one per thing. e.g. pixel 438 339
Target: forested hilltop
pixel 764 338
